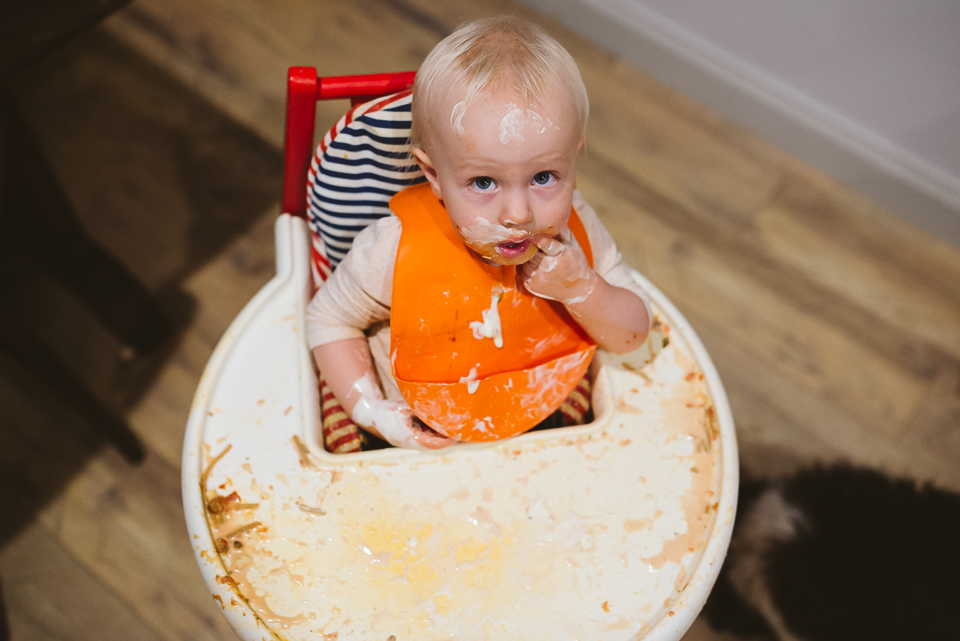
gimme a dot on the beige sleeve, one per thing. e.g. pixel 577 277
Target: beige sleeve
pixel 607 261
pixel 357 295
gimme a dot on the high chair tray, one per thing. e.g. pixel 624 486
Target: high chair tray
pixel 610 531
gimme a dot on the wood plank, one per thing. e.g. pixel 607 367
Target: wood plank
pixel 121 522
pixel 44 446
pixel 163 180
pixel 935 428
pixel 682 159
pixel 745 252
pixel 701 631
pixel 221 288
pixel 236 54
pixel 125 524
pixel 156 174
pixel 781 428
pixel 866 227
pixel 49 595
pixel 811 229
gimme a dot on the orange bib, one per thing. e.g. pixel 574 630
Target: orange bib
pixel 446 301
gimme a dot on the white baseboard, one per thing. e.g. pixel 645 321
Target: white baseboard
pixel 907 185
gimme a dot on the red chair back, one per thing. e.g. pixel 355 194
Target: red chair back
pixel 304 89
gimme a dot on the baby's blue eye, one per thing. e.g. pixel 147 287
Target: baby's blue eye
pixel 483 183
pixel 543 178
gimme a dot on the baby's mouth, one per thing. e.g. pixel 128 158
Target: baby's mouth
pixel 512 249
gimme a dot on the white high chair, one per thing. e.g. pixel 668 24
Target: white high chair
pixel 613 530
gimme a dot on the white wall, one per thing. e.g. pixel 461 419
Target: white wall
pixel 867 90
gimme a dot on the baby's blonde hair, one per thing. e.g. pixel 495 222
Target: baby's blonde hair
pixel 482 56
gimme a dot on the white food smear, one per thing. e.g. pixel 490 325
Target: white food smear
pixel 388 417
pixel 516 121
pixel 483 425
pixel 482 231
pixel 456 117
pixel 576 300
pixel 471 378
pixel 489 327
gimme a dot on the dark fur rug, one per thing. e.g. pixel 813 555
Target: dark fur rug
pixel 841 553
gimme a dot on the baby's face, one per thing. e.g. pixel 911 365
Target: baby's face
pixel 508 176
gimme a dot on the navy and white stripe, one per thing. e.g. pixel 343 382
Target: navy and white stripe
pixel 361 163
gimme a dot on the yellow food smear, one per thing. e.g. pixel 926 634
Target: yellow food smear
pixel 422 577
pixel 410 565
pixel 470 551
pixel 442 603
pixel 395 538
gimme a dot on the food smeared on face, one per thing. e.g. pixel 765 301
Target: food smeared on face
pixel 490 240
pixel 505 171
pixel 517 120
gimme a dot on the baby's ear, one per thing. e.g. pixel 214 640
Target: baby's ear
pixel 429 171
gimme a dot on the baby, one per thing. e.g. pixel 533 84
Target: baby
pixel 479 305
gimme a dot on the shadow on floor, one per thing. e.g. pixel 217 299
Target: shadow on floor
pixel 161 179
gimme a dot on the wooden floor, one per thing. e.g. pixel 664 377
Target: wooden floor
pixel 835 327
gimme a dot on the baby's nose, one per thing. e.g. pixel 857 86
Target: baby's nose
pixel 516 211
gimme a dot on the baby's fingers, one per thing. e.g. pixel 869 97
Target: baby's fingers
pixel 531 265
pixel 433 441
pixel 549 246
pixel 429 438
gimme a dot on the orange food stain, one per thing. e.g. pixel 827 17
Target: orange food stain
pixel 633 526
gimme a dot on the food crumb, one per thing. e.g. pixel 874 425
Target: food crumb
pixel 606 606
pixel 311 510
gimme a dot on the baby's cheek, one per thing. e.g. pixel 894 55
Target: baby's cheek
pixel 554 230
pixel 557 222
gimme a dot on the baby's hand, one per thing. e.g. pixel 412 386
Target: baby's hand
pixel 396 423
pixel 559 271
